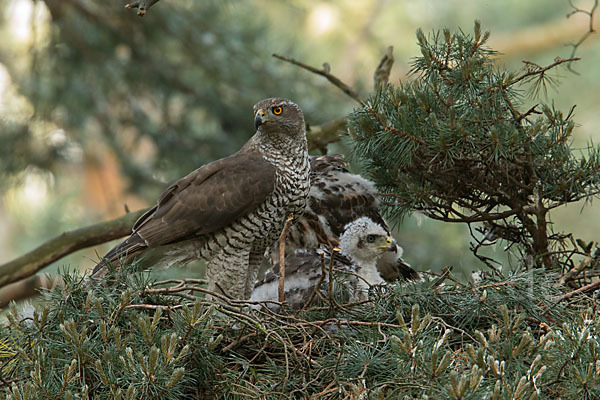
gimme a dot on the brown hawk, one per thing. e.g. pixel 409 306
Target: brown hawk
pixel 362 244
pixel 336 198
pixel 229 211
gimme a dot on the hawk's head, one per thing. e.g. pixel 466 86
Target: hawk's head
pixel 277 115
pixel 365 241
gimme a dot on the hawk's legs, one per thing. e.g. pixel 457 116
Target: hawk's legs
pixel 229 270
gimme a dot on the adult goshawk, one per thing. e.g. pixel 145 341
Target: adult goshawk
pixel 229 211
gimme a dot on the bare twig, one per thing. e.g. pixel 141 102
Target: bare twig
pixel 153 307
pixel 141 5
pixel 590 31
pixel 191 285
pixel 319 136
pixel 239 341
pixel 584 289
pixel 318 285
pixel 445 274
pixel 590 261
pixel 66 243
pixel 284 232
pixel 325 72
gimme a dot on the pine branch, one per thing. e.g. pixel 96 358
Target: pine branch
pixel 407 340
pixel 454 143
pixel 325 72
pixel 538 71
pixel 64 244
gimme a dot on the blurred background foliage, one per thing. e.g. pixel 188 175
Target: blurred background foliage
pixel 100 108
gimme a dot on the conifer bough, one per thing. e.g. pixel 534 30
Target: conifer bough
pixel 457 143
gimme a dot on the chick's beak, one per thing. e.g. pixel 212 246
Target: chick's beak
pixel 390 244
pixel 259 118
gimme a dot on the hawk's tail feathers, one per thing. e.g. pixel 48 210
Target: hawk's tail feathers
pixel 121 254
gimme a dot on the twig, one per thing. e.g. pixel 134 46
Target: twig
pixel 64 244
pixel 182 285
pixel 318 285
pixel 338 321
pixel 540 70
pixel 587 34
pixel 319 136
pixel 142 6
pixel 153 307
pixel 445 274
pixel 284 232
pixel 324 72
pixel 238 341
pixel 589 262
pixel 390 128
pixel 587 288
pixel 453 328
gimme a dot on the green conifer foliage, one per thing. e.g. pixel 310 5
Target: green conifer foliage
pixel 507 338
pixel 456 143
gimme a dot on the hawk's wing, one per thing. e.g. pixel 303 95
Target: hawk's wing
pixel 338 197
pixel 206 200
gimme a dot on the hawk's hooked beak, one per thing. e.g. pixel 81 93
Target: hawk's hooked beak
pixel 259 118
pixel 390 244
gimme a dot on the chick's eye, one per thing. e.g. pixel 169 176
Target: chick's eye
pixel 277 110
pixel 370 238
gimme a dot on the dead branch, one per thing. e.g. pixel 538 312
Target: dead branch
pixel 584 289
pixel 319 136
pixel 284 231
pixel 382 72
pixel 64 244
pixel 141 5
pixel 27 288
pixel 591 260
pixel 61 246
pixel 325 72
pixel 590 31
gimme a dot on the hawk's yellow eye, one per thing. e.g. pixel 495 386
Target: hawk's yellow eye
pixel 277 110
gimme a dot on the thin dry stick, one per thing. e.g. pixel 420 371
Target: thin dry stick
pixel 587 288
pixel 324 72
pixel 538 70
pixel 153 307
pixel 590 30
pixel 284 232
pixel 321 278
pixel 142 6
pixel 238 341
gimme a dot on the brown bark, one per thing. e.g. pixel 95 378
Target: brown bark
pixel 66 243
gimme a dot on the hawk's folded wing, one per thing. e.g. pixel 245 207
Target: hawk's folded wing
pixel 204 201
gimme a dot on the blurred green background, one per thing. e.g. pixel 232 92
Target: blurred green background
pixel 100 108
